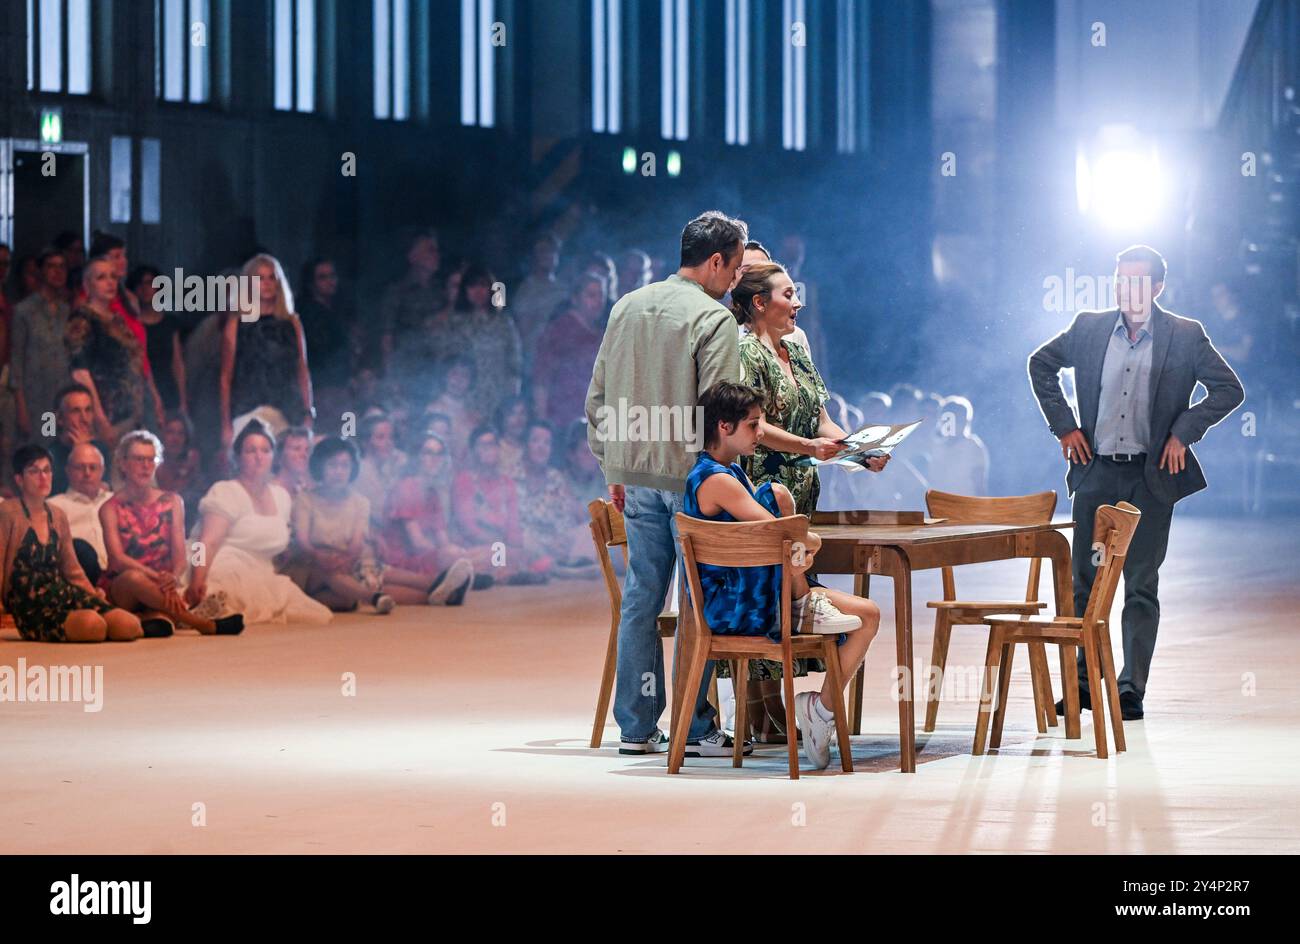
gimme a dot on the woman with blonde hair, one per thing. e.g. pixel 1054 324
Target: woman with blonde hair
pixel 261 350
pixel 144 533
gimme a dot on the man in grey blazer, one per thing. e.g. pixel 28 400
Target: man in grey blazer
pixel 1135 368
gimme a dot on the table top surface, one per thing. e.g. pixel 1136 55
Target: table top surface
pixel 910 534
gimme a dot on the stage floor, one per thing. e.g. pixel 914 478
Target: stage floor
pixel 468 728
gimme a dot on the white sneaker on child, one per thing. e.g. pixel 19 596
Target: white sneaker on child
pixel 818 733
pixel 815 613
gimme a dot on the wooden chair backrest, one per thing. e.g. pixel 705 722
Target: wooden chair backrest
pixel 740 544
pixel 1009 509
pixel 607 531
pixel 1112 533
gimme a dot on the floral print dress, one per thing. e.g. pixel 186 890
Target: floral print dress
pixel 145 531
pixel 39 597
pixel 796 408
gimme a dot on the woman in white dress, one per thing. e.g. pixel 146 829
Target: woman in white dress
pixel 244 524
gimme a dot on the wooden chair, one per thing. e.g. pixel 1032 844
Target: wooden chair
pixel 607 531
pixel 1111 535
pixel 747 544
pixel 950 611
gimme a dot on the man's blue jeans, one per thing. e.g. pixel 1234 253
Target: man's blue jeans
pixel 639 701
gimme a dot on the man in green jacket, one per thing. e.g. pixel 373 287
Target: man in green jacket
pixel 665 344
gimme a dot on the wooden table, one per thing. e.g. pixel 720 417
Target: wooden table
pixel 894 544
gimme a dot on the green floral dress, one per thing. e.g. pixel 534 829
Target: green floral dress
pixel 39 597
pixel 796 408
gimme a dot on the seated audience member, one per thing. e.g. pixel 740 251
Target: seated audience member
pixel 382 463
pixel 512 435
pixel 582 468
pixel 331 524
pixel 243 525
pixel 456 404
pixel 182 469
pixel 485 509
pixel 74 423
pixel 81 503
pixel 291 458
pixel 437 424
pixel 43 587
pixel 144 529
pixel 555 525
pixel 745 600
pixel 415 534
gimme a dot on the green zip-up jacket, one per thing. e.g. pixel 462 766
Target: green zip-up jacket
pixel 665 344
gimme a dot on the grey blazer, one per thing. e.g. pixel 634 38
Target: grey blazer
pixel 1181 356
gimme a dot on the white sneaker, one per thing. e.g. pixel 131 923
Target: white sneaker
pixel 817 734
pixel 815 613
pixel 384 604
pixel 451 586
pixel 716 744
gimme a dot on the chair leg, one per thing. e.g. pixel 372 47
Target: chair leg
pixel 740 686
pixel 1112 685
pixel 938 663
pixel 991 655
pixel 606 687
pixel 1004 690
pixel 855 700
pixel 1095 690
pixel 692 674
pixel 1042 686
pixel 1070 690
pixel 831 658
pixel 791 728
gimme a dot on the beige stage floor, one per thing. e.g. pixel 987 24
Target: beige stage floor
pixel 467 733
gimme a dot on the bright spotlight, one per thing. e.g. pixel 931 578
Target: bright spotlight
pixel 1122 189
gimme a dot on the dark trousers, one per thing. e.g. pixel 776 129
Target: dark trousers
pixel 1108 484
pixel 87 558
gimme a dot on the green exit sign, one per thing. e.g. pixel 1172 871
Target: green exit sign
pixel 51 125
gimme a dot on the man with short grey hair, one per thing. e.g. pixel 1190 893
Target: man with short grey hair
pixel 665 343
pixel 86 494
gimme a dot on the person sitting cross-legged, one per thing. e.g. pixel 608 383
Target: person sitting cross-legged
pixel 745 600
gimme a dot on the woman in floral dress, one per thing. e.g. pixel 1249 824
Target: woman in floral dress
pixel 795 427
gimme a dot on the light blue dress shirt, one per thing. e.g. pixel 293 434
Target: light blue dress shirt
pixel 1124 411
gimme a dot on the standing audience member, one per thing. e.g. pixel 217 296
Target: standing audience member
pixel 569 347
pixel 144 530
pixel 43 587
pixel 537 298
pixel 327 323
pixel 416 296
pixel 162 340
pixel 331 524
pixel 634 270
pixel 73 249
pixel 243 526
pixel 86 494
pixel 489 338
pixel 39 357
pixel 264 355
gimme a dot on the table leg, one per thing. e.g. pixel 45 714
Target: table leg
pixel 901 570
pixel 861 588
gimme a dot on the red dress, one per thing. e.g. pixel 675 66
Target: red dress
pixel 145 532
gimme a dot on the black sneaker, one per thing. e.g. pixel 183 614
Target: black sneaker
pixel 656 743
pixel 157 628
pixel 483 581
pixel 526 578
pixel 1085 703
pixel 1130 706
pixel 716 744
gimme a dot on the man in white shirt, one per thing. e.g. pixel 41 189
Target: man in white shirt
pixel 81 502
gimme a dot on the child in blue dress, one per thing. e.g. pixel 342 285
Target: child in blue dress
pixel 744 600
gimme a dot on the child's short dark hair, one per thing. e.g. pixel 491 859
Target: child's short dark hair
pixel 726 402
pixel 326 450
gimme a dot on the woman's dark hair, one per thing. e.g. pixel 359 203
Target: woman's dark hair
pixel 726 402
pixel 326 450
pixel 528 434
pixel 508 406
pixel 176 416
pixel 101 244
pixel 479 432
pixel 26 455
pixel 66 240
pixel 756 281
pixel 309 271
pixel 755 244
pixel 253 427
pixel 140 274
pixel 712 232
pixel 476 273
